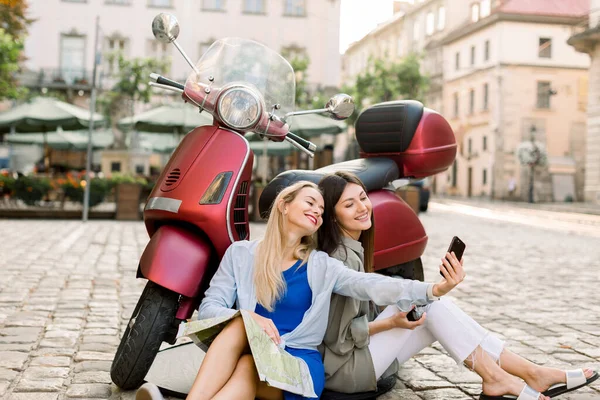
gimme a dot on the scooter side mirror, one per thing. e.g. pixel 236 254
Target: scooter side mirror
pixel 341 106
pixel 165 27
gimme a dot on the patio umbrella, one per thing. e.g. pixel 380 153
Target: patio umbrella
pixel 157 142
pixel 311 125
pixel 61 140
pixel 169 118
pixel 44 114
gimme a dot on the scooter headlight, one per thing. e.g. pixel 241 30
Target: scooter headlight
pixel 239 107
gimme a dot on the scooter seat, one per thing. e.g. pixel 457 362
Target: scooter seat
pixel 375 173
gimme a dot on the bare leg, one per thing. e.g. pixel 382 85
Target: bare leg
pixel 243 382
pixel 496 381
pixel 220 361
pixel 538 377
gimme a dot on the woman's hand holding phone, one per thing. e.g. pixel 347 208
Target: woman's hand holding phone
pixel 453 272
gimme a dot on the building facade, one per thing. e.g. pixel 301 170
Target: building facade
pixel 415 28
pixel 510 76
pixel 587 40
pixel 60 54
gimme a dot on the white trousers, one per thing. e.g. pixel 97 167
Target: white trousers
pixel 458 333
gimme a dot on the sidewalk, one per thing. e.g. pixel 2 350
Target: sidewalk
pixel 577 208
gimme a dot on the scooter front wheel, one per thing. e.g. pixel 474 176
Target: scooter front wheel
pixel 150 324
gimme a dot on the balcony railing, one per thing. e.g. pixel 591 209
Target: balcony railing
pixel 63 78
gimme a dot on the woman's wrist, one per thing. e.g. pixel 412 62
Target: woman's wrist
pixel 435 290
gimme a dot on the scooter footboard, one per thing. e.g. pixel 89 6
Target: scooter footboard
pixel 177 259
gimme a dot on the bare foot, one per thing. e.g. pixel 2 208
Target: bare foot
pixel 542 378
pixel 505 384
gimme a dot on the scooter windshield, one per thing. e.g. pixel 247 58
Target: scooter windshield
pixel 243 61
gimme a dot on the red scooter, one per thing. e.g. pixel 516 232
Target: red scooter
pixel 199 205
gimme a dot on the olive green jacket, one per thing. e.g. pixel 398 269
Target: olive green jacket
pixel 345 348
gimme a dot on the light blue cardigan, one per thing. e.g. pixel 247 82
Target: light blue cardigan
pixel 233 285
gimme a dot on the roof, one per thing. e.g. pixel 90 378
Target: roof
pixel 562 8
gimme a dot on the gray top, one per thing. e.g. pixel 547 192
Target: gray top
pixel 233 286
pixel 345 348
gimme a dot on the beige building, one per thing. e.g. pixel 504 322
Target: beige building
pixel 59 48
pixel 587 40
pixel 510 74
pixel 415 28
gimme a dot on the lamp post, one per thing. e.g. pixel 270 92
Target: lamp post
pixel 535 158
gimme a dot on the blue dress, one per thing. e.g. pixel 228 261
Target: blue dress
pixel 287 315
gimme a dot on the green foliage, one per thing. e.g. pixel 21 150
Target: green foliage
pixel 385 81
pixel 31 189
pixel 99 188
pixel 7 185
pixel 116 179
pixel 14 20
pixel 10 52
pixel 300 65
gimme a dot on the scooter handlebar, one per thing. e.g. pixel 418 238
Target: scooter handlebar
pixel 303 142
pixel 161 80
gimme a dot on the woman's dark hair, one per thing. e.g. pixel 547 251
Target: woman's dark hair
pixel 330 235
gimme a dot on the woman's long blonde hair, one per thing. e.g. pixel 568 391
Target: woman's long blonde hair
pixel 268 278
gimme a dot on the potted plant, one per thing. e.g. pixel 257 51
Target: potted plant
pixel 31 189
pixel 127 195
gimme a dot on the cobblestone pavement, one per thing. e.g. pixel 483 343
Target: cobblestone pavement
pixel 67 289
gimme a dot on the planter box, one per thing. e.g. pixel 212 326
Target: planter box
pixel 128 201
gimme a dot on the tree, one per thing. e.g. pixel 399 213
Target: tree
pixel 13 28
pixel 131 87
pixel 385 81
pixel 10 50
pixel 300 65
pixel 14 21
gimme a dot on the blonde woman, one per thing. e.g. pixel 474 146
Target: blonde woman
pixel 286 286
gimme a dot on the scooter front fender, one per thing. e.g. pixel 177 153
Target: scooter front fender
pixel 177 259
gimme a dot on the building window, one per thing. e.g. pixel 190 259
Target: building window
pixel 441 22
pixel 399 47
pixel 475 12
pixel 416 30
pixel 472 55
pixel 484 143
pixel 486 91
pixel 430 23
pixel 543 94
pixel 545 48
pixel 159 3
pixel 203 46
pixel 485 176
pixel 456 108
pixel 115 166
pixel 471 101
pixel 72 58
pixel 119 2
pixel 158 50
pixel 485 8
pixel 213 5
pixel 139 169
pixel 457 61
pixel 486 51
pixel 114 46
pixel 254 6
pixel 295 8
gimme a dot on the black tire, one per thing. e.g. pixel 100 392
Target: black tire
pixel 152 319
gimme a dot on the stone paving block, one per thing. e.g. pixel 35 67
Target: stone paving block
pixel 46 385
pixel 33 396
pixel 108 339
pixel 85 366
pixel 96 391
pixel 53 352
pixel 7 374
pixel 39 373
pixel 51 361
pixel 58 342
pixel 93 356
pixel 13 359
pixel 3 388
pixel 92 377
pixel 98 347
pixel 444 394
pixel 23 347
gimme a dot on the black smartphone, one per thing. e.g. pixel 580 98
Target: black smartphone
pixel 415 314
pixel 458 247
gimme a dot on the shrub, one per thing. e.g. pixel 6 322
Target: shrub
pixel 31 189
pixel 7 185
pixel 74 190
